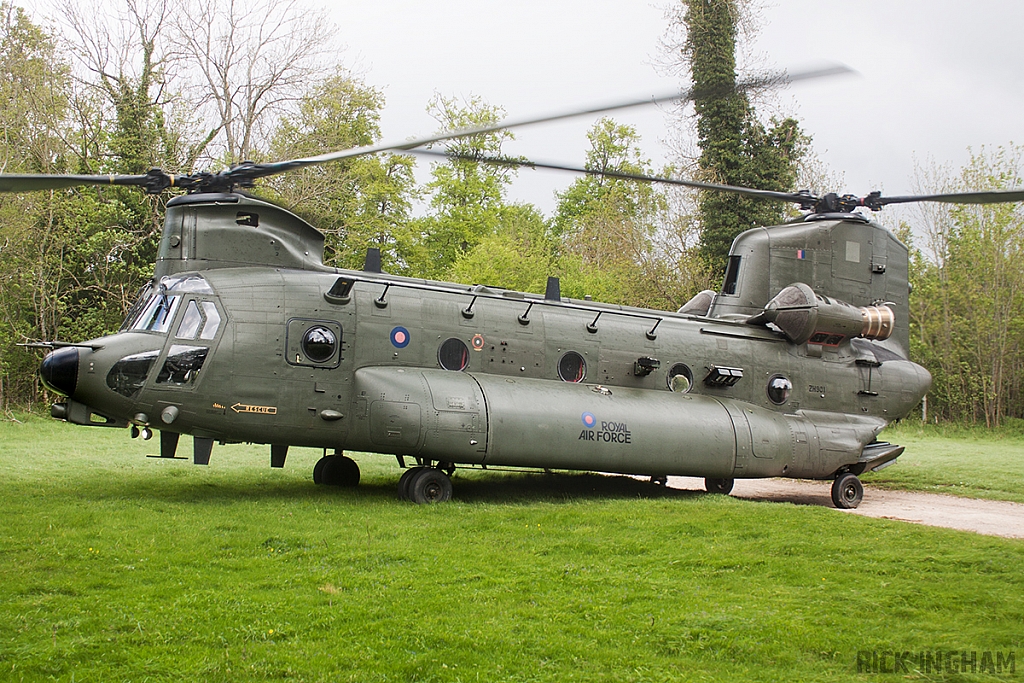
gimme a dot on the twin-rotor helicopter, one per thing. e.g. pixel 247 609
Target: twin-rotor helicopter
pixel 243 334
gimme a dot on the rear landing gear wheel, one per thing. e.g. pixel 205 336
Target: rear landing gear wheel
pixel 847 491
pixel 723 486
pixel 430 485
pixel 336 470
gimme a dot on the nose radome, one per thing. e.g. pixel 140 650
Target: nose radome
pixel 59 370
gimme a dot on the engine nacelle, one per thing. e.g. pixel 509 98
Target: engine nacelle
pixel 804 316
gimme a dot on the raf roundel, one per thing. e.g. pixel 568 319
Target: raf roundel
pixel 400 337
pixel 589 420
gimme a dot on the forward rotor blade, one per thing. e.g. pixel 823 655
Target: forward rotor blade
pixel 243 175
pixel 262 170
pixel 34 182
pixel 989 197
pixel 154 181
pixel 749 191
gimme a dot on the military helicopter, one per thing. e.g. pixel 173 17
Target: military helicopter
pixel 792 369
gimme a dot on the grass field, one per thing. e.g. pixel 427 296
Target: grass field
pixel 973 462
pixel 120 568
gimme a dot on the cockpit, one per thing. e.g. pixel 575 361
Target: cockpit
pixel 157 312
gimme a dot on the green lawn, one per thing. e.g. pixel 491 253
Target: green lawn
pixel 121 568
pixel 977 463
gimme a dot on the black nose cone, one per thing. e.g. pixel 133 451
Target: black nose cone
pixel 59 370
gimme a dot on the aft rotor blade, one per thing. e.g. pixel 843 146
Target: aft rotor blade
pixel 989 197
pixel 749 191
pixel 262 170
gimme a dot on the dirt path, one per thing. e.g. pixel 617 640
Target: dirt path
pixel 990 517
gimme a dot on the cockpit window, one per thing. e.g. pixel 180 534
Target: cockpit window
pixel 732 274
pixel 212 320
pixel 136 310
pixel 182 365
pixel 128 375
pixel 155 309
pixel 158 313
pixel 194 284
pixel 190 322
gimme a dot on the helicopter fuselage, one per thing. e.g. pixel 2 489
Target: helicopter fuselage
pixel 228 345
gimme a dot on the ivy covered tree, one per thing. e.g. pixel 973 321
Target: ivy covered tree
pixel 736 148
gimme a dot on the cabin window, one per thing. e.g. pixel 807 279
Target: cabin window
pixel 732 274
pixel 572 367
pixel 453 355
pixel 319 344
pixel 680 378
pixel 779 388
pixel 316 343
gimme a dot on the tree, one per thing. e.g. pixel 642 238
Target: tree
pixel 967 308
pixel 254 60
pixel 520 255
pixel 624 241
pixel 124 88
pixel 123 61
pixel 736 148
pixel 357 203
pixel 467 198
pixel 35 91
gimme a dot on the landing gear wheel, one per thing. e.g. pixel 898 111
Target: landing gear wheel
pixel 318 469
pixel 403 483
pixel 338 470
pixel 430 485
pixel 847 491
pixel 723 486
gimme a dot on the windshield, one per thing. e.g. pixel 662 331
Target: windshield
pixel 157 315
pixel 155 307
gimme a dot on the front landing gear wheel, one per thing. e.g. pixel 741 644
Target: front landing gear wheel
pixel 430 485
pixel 403 483
pixel 847 491
pixel 318 470
pixel 336 470
pixel 723 486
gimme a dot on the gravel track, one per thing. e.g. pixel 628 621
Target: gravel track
pixel 989 517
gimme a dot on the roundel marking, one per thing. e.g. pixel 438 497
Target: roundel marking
pixel 589 420
pixel 478 342
pixel 400 337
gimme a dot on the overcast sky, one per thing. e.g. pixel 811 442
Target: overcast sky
pixel 936 77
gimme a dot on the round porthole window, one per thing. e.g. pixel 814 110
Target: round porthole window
pixel 319 344
pixel 779 389
pixel 680 378
pixel 572 367
pixel 453 355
